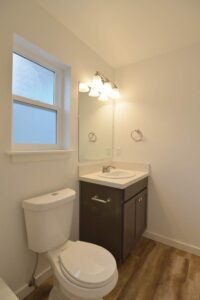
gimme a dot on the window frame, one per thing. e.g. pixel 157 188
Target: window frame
pixel 57 106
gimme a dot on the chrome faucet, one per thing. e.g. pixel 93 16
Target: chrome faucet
pixel 106 169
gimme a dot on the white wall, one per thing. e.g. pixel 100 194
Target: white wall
pixel 161 96
pixel 26 179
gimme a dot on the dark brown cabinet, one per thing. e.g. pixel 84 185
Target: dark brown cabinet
pixel 140 216
pixel 129 226
pixel 113 218
pixel 135 220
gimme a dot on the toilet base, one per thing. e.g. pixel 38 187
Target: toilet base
pixel 56 294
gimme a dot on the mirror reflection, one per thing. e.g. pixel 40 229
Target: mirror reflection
pixel 95 128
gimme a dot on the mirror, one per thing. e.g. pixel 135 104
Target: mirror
pixel 95 128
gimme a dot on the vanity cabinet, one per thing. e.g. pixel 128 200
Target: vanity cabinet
pixel 113 218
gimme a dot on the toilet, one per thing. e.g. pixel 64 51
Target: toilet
pixel 82 270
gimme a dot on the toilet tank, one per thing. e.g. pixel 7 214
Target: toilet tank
pixel 48 219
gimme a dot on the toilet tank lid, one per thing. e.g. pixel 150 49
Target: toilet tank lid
pixel 49 201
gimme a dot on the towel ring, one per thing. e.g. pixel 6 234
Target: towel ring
pixel 92 137
pixel 137 135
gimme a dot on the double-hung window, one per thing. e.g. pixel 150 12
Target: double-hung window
pixel 37 89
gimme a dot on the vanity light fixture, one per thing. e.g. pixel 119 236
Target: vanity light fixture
pixel 100 87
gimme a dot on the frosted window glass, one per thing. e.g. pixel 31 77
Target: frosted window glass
pixel 33 124
pixel 31 80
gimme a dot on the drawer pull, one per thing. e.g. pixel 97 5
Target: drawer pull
pixel 96 198
pixel 140 200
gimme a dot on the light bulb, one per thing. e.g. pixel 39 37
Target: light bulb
pixel 115 93
pixel 83 87
pixel 93 93
pixel 103 97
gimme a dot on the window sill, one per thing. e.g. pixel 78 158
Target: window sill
pixel 40 155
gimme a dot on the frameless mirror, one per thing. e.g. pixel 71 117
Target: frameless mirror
pixel 95 128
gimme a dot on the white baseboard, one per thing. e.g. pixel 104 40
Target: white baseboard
pixel 44 275
pixel 41 277
pixel 173 243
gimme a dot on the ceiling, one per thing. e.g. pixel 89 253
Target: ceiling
pixel 126 31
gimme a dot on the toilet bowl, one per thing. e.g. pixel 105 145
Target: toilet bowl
pixel 82 271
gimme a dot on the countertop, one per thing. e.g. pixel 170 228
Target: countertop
pixel 120 183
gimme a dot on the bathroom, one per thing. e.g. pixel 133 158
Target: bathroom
pixel 151 51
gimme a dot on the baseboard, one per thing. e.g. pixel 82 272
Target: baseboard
pixel 173 243
pixel 26 290
pixel 44 275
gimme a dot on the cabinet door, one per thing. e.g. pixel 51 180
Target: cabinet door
pixel 101 221
pixel 129 226
pixel 141 213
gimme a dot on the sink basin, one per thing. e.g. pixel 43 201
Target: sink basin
pixel 117 174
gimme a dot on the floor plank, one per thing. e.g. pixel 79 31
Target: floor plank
pixel 153 271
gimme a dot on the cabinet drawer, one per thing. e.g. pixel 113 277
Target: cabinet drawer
pixel 135 188
pixel 90 190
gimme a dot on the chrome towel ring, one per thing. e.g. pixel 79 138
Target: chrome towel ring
pixel 137 135
pixel 92 137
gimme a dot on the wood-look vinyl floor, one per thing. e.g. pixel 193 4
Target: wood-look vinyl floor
pixel 153 271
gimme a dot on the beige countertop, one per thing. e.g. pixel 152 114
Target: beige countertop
pixel 120 183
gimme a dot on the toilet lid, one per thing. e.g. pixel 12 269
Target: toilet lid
pixel 87 263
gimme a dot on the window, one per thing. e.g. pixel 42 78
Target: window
pixel 37 89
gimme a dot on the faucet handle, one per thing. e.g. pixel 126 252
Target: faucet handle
pixel 111 167
pixel 106 169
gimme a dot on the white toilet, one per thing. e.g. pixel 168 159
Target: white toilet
pixel 82 270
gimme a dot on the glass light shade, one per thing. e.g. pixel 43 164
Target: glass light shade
pixel 93 93
pixel 90 84
pixel 103 97
pixel 83 87
pixel 97 82
pixel 115 93
pixel 107 88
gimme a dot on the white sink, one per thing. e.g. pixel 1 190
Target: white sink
pixel 117 174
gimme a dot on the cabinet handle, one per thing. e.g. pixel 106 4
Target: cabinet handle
pixel 96 198
pixel 140 200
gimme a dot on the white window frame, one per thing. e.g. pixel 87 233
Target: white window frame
pixel 57 106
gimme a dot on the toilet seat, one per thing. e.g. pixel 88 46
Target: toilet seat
pixel 70 286
pixel 87 265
